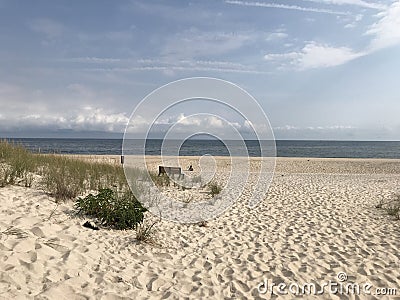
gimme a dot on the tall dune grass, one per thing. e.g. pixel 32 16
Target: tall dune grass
pixel 66 177
pixel 63 177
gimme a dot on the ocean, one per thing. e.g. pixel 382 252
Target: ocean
pixel 284 148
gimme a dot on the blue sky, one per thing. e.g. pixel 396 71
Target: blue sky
pixel 320 69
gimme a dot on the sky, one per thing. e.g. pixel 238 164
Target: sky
pixel 319 69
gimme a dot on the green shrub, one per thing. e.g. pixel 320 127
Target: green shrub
pixel 117 211
pixel 214 189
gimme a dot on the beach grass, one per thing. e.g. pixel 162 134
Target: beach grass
pixel 160 181
pixel 63 177
pixel 66 177
pixel 145 232
pixel 16 164
pixel 391 207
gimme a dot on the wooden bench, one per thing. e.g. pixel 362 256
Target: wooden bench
pixel 170 171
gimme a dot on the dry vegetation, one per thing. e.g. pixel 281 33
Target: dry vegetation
pixel 61 176
pixel 65 178
pixel 391 207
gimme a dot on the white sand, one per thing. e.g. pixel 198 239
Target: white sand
pixel 318 219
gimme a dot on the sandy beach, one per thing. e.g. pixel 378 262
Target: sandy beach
pixel 317 220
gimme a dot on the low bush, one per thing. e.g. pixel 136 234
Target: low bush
pixel 214 189
pixel 391 207
pixel 393 211
pixel 111 209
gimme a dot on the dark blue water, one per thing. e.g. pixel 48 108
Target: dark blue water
pixel 285 148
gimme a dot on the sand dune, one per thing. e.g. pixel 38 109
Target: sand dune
pixel 318 219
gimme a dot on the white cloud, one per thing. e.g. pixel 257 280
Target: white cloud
pixel 182 125
pixel 80 110
pixel 314 55
pixel 111 36
pixel 354 22
pixel 359 3
pixel 216 122
pixel 84 120
pixel 248 124
pixel 193 43
pixel 50 28
pixel 285 6
pixel 211 124
pixel 282 56
pixel 277 35
pixel 100 120
pixel 138 125
pixel 95 60
pixel 169 66
pixel 386 32
pixel 314 128
pixel 286 128
pixel 201 122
